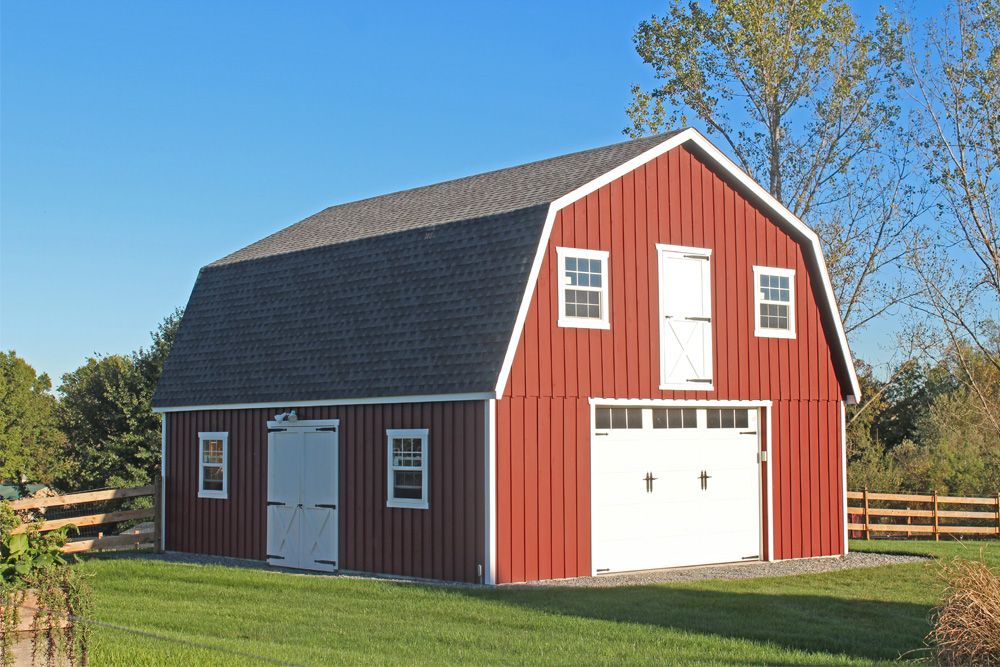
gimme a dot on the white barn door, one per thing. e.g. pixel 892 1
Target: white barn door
pixel 685 318
pixel 302 495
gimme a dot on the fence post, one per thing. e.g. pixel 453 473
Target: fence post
pixel 157 514
pixel 937 535
pixel 868 533
pixel 998 513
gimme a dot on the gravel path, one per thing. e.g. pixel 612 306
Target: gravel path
pixel 677 575
pixel 752 570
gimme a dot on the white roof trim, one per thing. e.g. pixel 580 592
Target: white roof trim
pixel 729 167
pixel 337 401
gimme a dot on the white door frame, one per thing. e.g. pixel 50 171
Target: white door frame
pixel 767 535
pixel 312 425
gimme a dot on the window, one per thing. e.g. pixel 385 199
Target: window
pixel 727 418
pixel 618 417
pixel 407 468
pixel 583 288
pixel 675 418
pixel 774 302
pixel 213 464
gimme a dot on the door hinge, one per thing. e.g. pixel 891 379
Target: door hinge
pixel 326 562
pixel 326 428
pixel 754 557
pixel 698 319
pixel 275 430
pixel 325 507
pixel 748 432
pixel 761 457
pixel 273 557
pixel 600 434
pixel 603 569
pixel 709 381
pixel 274 502
pixel 705 257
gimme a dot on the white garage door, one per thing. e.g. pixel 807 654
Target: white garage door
pixel 302 489
pixel 674 487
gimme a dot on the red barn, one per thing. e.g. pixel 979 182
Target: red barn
pixel 620 359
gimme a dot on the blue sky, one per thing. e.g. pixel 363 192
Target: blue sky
pixel 140 141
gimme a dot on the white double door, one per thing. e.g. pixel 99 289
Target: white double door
pixel 674 497
pixel 302 496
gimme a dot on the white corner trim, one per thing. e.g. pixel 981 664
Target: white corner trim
pixel 727 166
pixel 213 435
pixel 490 566
pixel 770 486
pixel 561 286
pixel 843 469
pixel 384 400
pixel 163 482
pixel 759 331
pixel 408 503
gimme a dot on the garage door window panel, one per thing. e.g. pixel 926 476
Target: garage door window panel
pixel 727 418
pixel 618 418
pixel 675 418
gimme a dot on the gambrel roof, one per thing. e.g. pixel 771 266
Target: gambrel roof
pixel 416 293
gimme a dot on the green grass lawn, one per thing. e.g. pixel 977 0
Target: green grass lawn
pixel 225 616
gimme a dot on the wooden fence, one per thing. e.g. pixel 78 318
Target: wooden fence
pixel 128 539
pixel 922 515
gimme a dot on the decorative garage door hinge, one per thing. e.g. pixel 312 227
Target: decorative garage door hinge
pixel 325 507
pixel 273 557
pixel 326 562
pixel 326 428
pixel 754 557
pixel 275 430
pixel 273 502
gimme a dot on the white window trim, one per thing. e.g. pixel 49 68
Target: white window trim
pixel 213 435
pixel 762 332
pixel 584 322
pixel 410 503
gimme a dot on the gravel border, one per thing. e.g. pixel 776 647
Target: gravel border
pixel 753 570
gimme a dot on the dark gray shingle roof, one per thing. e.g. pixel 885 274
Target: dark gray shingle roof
pixel 411 293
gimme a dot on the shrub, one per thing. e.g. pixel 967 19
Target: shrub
pixel 966 625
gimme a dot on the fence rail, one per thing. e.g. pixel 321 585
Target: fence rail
pixel 127 539
pixel 895 513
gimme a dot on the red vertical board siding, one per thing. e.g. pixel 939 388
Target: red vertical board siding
pixel 543 419
pixel 446 541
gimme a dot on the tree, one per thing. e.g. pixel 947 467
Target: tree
pixel 30 441
pixel 807 101
pixel 114 437
pixel 957 94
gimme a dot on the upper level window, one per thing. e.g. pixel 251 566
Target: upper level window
pixel 213 464
pixel 583 288
pixel 407 468
pixel 774 302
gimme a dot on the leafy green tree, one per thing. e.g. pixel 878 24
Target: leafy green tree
pixel 114 437
pixel 806 99
pixel 31 444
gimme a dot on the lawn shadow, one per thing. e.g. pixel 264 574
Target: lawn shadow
pixel 870 629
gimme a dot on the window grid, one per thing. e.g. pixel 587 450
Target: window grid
pixel 675 418
pixel 212 482
pixel 727 418
pixel 407 468
pixel 618 418
pixel 583 288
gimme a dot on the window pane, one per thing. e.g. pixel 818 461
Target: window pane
pixel 571 263
pixel 713 418
pixel 742 419
pixel 407 452
pixel 583 303
pixel 408 484
pixel 603 417
pixel 634 417
pixel 690 417
pixel 211 451
pixel 727 418
pixel 618 418
pixel 659 418
pixel 212 478
pixel 675 418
